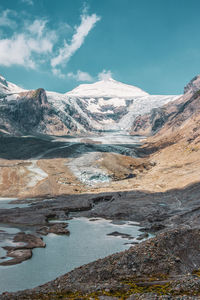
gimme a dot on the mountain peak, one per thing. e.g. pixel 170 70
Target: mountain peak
pixel 107 79
pixel 7 87
pixel 107 87
pixel 3 80
pixel 193 85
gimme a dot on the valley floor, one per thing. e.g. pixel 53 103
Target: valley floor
pixel 153 183
pixel 35 167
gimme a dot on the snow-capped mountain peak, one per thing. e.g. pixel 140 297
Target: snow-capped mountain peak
pixel 3 81
pixel 7 88
pixel 103 105
pixel 106 88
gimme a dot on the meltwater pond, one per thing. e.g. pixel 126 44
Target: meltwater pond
pixel 87 242
pixel 6 203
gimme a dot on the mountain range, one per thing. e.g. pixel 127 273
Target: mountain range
pixel 152 180
pixel 104 105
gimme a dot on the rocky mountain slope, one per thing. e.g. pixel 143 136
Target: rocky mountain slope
pixel 173 115
pixel 174 144
pixel 104 105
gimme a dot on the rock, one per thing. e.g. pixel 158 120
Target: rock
pixel 22 252
pixel 123 235
pixel 118 222
pixel 177 259
pixel 193 85
pixel 156 227
pixel 132 243
pixel 132 297
pixel 128 176
pixel 19 256
pixel 58 228
pixel 142 236
pixel 107 298
pixel 31 241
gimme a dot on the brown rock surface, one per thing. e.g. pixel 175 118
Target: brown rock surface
pixel 22 252
pixel 18 255
pixel 58 228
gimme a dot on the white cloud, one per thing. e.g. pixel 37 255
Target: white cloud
pixel 29 2
pixel 65 53
pixel 81 76
pixel 105 75
pixel 20 48
pixel 37 27
pixel 58 73
pixel 32 43
pixel 6 19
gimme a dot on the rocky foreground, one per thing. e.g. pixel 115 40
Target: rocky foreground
pixel 154 211
pixel 164 267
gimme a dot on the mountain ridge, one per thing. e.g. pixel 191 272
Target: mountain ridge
pixel 71 113
pixel 166 119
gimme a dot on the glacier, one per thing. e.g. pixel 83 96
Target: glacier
pixel 103 105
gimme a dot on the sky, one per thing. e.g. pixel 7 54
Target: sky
pixel 57 45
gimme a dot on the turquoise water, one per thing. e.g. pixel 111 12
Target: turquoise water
pixel 87 242
pixel 6 203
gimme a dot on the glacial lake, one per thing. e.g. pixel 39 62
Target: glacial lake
pixel 87 242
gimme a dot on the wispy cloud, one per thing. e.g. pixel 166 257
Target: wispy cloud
pixel 58 73
pixel 6 19
pixel 20 48
pixel 65 53
pixel 104 75
pixel 81 76
pixel 33 43
pixel 29 2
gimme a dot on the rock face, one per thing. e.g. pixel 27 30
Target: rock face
pixel 104 105
pixel 29 110
pixel 149 123
pixel 173 115
pixel 30 113
pixel 193 85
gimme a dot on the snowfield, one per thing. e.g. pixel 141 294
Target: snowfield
pixel 106 88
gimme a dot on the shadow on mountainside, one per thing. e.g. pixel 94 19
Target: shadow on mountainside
pixel 22 148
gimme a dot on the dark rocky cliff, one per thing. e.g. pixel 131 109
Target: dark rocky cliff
pixel 32 114
pixel 25 114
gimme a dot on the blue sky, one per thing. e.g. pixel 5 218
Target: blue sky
pixel 57 45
